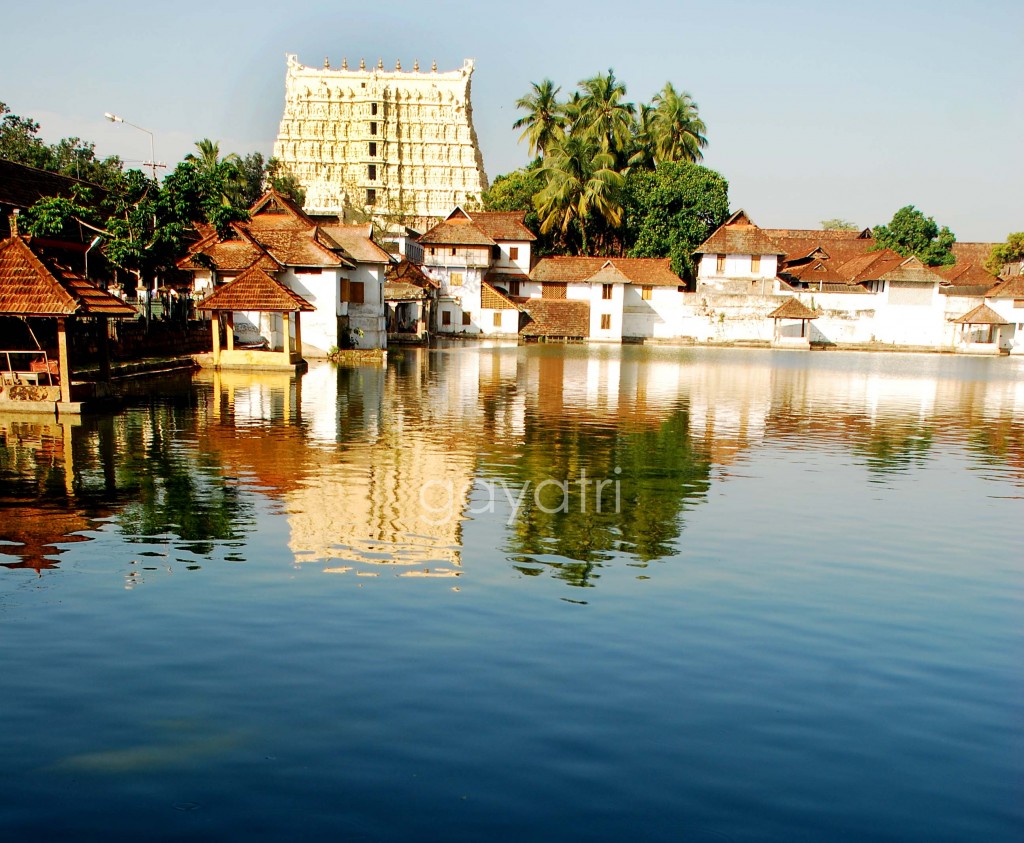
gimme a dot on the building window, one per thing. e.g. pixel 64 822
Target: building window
pixel 720 264
pixel 433 251
pixel 513 288
pixel 373 128
pixel 755 264
pixel 513 253
pixel 466 319
pixel 454 251
pixel 497 319
pixel 373 108
pixel 606 291
pixel 606 321
pixel 371 196
pixel 554 290
pixel 455 279
pixel 645 292
pixel 446 317
pixel 373 149
pixel 371 172
pixel 355 292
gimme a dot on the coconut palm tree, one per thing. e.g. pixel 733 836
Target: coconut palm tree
pixel 582 186
pixel 228 169
pixel 642 147
pixel 677 130
pixel 604 116
pixel 543 122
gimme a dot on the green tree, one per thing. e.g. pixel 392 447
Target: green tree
pixel 604 115
pixel 670 211
pixel 253 172
pixel 20 141
pixel 284 182
pixel 837 224
pixel 544 121
pixel 581 186
pixel 676 128
pixel 912 233
pixel 1012 251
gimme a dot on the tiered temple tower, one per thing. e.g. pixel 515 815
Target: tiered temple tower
pixel 381 142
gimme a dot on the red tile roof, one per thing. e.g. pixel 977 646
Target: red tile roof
pixel 357 241
pixel 411 273
pixel 739 236
pixel 655 272
pixel 255 290
pixel 1008 288
pixel 503 225
pixel 33 285
pixel 557 318
pixel 456 233
pixel 981 315
pixel 793 309
pixel 481 228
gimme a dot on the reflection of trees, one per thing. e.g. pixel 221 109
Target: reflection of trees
pixel 173 488
pixel 648 475
pixel 894 446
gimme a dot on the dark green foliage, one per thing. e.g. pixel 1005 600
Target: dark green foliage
pixel 912 233
pixel 1012 251
pixel 672 210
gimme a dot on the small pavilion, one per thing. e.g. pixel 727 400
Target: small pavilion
pixel 980 331
pixel 793 310
pixel 34 286
pixel 256 291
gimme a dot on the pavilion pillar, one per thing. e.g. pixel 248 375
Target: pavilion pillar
pixel 229 322
pixel 104 351
pixel 298 332
pixel 286 332
pixel 63 363
pixel 216 338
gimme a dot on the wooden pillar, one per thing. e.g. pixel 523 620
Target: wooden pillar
pixel 286 333
pixel 298 332
pixel 104 351
pixel 216 338
pixel 229 323
pixel 63 363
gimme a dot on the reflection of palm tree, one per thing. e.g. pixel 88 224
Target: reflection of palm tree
pixel 544 121
pixel 677 130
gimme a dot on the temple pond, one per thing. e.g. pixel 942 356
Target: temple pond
pixel 522 593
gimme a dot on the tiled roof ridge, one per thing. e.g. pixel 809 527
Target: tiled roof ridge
pixel 42 270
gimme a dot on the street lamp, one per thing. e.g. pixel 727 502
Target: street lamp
pixel 95 242
pixel 113 118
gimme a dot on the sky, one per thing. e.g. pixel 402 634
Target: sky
pixel 814 110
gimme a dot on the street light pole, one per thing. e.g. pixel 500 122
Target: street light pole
pixel 113 118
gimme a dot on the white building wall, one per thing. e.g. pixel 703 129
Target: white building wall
pixel 600 306
pixel 319 328
pixel 504 260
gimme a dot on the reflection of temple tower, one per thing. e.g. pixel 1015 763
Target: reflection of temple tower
pixel 396 504
pixel 398 142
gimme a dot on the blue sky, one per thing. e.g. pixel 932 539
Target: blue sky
pixel 814 110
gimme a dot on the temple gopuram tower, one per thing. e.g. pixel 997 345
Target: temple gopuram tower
pixel 381 142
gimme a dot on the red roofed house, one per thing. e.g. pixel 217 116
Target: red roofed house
pixel 338 270
pixel 623 298
pixel 479 259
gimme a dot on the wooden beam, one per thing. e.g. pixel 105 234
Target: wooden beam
pixel 216 338
pixel 63 363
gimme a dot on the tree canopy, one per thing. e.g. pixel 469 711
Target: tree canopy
pixel 912 233
pixel 1012 251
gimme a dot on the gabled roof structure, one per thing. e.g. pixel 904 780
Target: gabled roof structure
pixel 981 315
pixel 34 285
pixel 739 236
pixel 793 309
pixel 1007 288
pixel 481 228
pixel 651 272
pixel 491 298
pixel 255 290
pixel 556 318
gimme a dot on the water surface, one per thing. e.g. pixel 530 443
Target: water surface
pixel 502 593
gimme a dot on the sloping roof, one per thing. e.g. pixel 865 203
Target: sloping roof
pixel 275 210
pixel 981 315
pixel 456 232
pixel 557 318
pixel 820 235
pixel 505 277
pixel 404 291
pixel 739 236
pixel 793 309
pixel 656 272
pixel 911 269
pixel 816 272
pixel 411 273
pixel 234 254
pixel 22 186
pixel 357 241
pixel 33 285
pixel 969 269
pixel 503 225
pixel 1008 288
pixel 492 298
pixel 255 290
